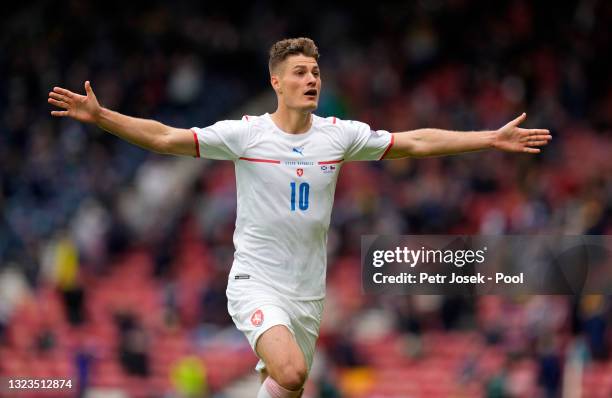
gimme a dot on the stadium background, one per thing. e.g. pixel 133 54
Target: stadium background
pixel 113 261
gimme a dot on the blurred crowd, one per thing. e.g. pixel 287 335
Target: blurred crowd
pixel 449 64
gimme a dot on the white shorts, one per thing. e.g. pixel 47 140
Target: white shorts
pixel 255 308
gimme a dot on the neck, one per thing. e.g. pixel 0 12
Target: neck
pixel 292 121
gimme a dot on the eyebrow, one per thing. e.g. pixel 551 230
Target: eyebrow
pixel 305 66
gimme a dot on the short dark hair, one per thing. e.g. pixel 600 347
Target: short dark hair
pixel 284 48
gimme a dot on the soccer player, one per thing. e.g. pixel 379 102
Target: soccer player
pixel 287 165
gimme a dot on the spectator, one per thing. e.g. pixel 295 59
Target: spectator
pixel 188 376
pixel 550 370
pixel 133 345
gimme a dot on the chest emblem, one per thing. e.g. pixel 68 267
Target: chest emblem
pixel 300 172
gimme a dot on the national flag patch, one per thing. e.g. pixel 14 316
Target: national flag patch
pixel 257 318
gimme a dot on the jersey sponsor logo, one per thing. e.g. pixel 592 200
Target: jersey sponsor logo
pixel 257 318
pixel 300 172
pixel 299 149
pixel 242 276
pixel 328 169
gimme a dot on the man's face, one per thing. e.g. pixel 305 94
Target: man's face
pixel 297 81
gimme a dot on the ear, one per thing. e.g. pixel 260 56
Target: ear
pixel 275 82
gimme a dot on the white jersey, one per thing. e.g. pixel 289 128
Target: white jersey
pixel 285 186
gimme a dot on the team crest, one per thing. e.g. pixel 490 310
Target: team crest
pixel 257 318
pixel 300 172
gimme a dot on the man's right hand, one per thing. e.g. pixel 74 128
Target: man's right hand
pixel 145 133
pixel 79 107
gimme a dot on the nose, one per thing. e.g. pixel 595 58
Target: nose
pixel 312 80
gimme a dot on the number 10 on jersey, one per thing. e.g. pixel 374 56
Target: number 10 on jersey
pixel 302 193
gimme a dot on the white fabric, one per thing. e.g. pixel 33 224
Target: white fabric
pixel 254 309
pixel 285 187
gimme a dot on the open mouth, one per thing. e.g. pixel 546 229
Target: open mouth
pixel 311 93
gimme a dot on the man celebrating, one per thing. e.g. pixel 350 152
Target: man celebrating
pixel 287 165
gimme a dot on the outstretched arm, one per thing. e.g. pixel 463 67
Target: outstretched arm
pixel 435 142
pixel 146 133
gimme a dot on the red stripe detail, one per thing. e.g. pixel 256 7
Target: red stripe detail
pixel 332 161
pixel 389 147
pixel 261 160
pixel 334 121
pixel 197 143
pixel 246 117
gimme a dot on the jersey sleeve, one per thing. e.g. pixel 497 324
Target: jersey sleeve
pixel 363 143
pixel 224 140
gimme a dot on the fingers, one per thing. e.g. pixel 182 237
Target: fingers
pixel 539 131
pixel 63 91
pixel 536 140
pixel 532 138
pixel 537 143
pixel 59 100
pixel 60 97
pixel 519 119
pixel 68 100
pixel 534 131
pixel 533 143
pixel 59 104
pixel 531 135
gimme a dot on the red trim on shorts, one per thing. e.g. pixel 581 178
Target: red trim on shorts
pixel 197 143
pixel 389 147
pixel 261 160
pixel 331 162
pixel 334 120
